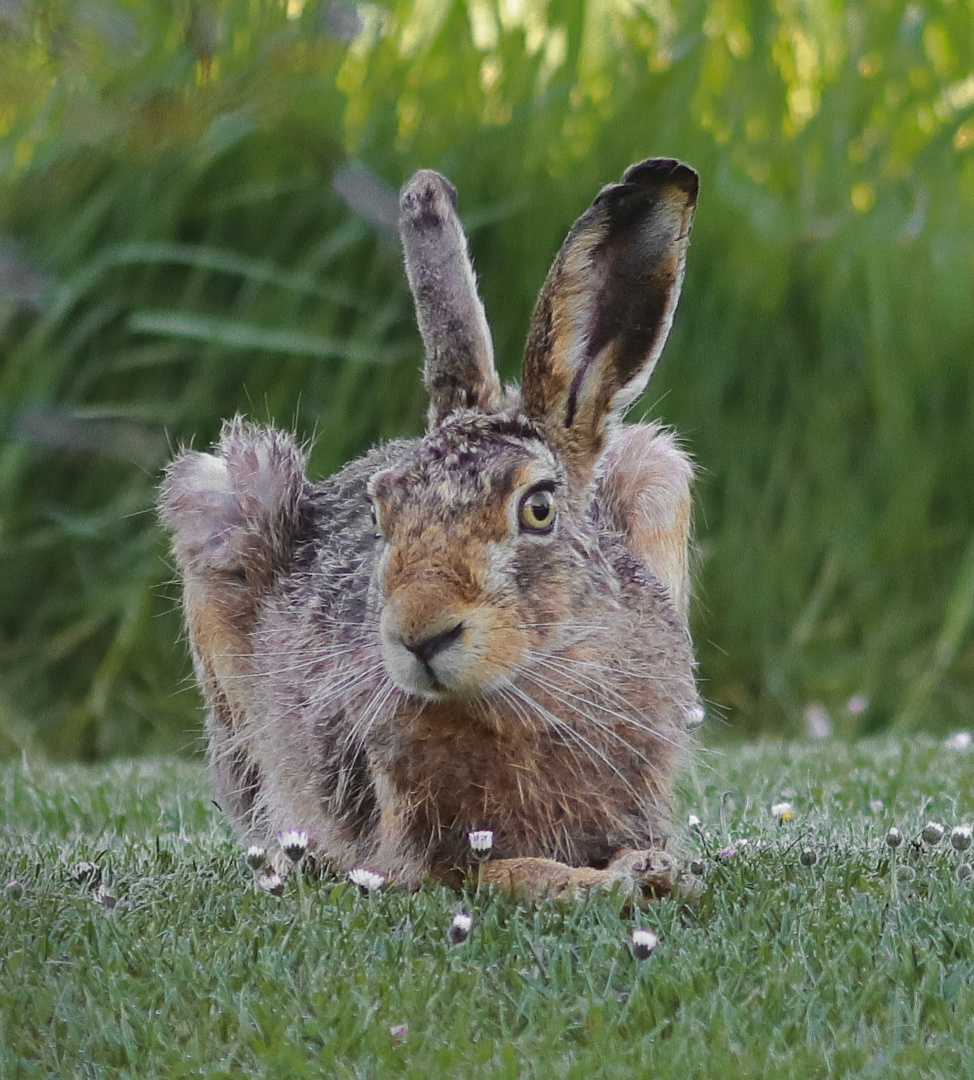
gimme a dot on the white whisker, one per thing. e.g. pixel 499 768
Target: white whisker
pixel 628 718
pixel 595 754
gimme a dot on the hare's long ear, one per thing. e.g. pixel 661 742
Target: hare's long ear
pixel 459 366
pixel 606 308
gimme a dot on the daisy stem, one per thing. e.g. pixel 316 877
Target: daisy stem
pixel 302 893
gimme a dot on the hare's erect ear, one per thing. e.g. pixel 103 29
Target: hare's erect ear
pixel 606 307
pixel 459 368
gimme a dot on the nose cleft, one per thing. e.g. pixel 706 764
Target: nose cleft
pixel 428 648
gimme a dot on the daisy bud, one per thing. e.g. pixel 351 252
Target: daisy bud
pixel 367 880
pixel 481 841
pixel 808 857
pixel 905 873
pixel 963 871
pixel 693 822
pixel 13 890
pixel 460 926
pixel 697 867
pixel 294 843
pixel 783 811
pixel 961 836
pixel 894 837
pixel 256 857
pixel 818 723
pixel 399 1032
pixel 644 943
pixel 932 833
pixel 271 882
pixel 857 704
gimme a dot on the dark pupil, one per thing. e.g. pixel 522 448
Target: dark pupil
pixel 540 507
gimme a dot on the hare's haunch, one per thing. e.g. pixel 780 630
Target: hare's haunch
pixel 481 629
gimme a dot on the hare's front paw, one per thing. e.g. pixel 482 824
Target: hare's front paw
pixel 652 872
pixel 636 873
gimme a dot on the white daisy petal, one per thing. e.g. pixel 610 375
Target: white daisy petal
pixel 480 840
pixel 644 943
pixel 367 880
pixel 294 843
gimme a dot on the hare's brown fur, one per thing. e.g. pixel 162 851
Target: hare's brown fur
pixel 483 628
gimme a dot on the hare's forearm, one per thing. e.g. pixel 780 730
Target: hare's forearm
pixel 634 872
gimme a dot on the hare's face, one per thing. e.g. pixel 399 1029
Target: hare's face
pixel 471 529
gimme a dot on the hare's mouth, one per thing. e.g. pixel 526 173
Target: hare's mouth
pixel 434 657
pixel 446 658
pixel 432 663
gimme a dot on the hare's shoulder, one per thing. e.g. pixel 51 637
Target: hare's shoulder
pixel 639 587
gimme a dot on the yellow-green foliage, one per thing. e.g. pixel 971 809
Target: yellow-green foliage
pixel 175 248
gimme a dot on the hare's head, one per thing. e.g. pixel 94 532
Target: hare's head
pixel 490 531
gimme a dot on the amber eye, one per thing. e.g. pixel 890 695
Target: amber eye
pixel 537 512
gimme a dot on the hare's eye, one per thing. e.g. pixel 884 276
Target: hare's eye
pixel 537 512
pixel 375 519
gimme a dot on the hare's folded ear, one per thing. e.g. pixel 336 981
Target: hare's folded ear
pixel 459 366
pixel 606 308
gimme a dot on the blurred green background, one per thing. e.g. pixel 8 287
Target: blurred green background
pixel 197 217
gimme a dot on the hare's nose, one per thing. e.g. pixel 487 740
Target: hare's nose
pixel 429 647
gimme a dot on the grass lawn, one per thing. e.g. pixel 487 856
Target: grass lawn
pixel 859 965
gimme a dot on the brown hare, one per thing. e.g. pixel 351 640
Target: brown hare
pixel 481 629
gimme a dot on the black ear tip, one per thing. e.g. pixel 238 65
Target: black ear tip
pixel 427 198
pixel 655 172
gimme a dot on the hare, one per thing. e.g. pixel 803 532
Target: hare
pixel 483 628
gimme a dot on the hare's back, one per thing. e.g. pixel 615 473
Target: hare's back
pixel 334 548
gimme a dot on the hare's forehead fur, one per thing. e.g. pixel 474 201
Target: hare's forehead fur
pixel 468 466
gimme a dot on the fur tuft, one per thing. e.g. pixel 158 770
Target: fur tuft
pixel 233 511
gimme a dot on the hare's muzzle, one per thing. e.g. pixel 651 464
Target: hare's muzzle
pixel 437 651
pixel 429 647
pixel 424 651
